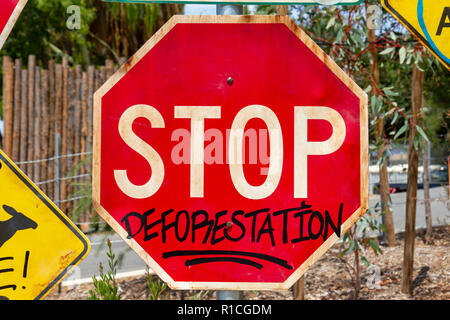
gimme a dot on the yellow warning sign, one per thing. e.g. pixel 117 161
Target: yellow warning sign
pixel 428 21
pixel 39 245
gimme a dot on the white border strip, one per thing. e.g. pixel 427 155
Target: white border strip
pixel 12 21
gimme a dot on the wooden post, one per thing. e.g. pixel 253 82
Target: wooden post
pixel 84 98
pixel 70 135
pixel 411 189
pixel 51 125
pixel 64 119
pixel 16 110
pixel 109 66
pixel 426 190
pixel 58 119
pixel 30 115
pixel 299 289
pixel 44 121
pixel 383 172
pixel 89 120
pixel 24 119
pixel 8 94
pixel 77 116
pixel 37 125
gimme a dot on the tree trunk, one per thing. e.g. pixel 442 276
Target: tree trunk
pixel 426 192
pixel 282 10
pixel 8 104
pixel 299 289
pixel 411 189
pixel 357 274
pixel 383 173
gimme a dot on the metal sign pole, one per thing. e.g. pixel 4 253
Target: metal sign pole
pixel 229 9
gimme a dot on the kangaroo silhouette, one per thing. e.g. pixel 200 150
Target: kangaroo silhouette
pixel 18 222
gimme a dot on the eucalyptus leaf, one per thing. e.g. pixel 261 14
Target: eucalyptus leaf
pixel 402 54
pixel 331 23
pixel 387 50
pixel 401 130
pixel 422 133
pixel 395 118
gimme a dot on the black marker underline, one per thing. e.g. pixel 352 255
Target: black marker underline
pixel 196 261
pixel 10 286
pixel 6 258
pixel 262 256
pixel 6 270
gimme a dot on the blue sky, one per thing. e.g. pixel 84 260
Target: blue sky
pixel 199 9
pixel 204 9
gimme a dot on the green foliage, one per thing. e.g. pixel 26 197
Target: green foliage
pixel 155 286
pixel 107 30
pixel 362 236
pixel 41 30
pixel 343 33
pixel 106 288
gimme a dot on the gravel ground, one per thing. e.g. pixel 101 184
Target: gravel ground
pixel 329 279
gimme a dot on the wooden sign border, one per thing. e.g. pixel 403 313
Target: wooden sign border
pixel 364 151
pixel 388 6
pixel 12 21
pixel 58 213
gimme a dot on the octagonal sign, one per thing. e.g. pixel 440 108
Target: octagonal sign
pixel 230 152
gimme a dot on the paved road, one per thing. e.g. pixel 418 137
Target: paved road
pixel 439 208
pixel 131 262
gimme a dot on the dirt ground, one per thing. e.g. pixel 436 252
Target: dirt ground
pixel 328 278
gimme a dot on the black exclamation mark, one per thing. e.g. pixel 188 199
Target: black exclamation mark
pixel 25 266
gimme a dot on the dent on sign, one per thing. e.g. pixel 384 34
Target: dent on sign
pixel 243 221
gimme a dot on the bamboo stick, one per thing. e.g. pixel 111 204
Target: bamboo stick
pixel 30 114
pixel 64 115
pixel 69 140
pixel 89 112
pixel 16 110
pixel 37 125
pixel 84 89
pixel 44 124
pixel 8 94
pixel 109 64
pixel 77 115
pixel 58 108
pixel 24 120
pixel 51 125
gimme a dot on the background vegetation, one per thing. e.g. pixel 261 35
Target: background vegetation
pixel 112 30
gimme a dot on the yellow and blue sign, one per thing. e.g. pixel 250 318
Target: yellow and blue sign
pixel 428 21
pixel 39 245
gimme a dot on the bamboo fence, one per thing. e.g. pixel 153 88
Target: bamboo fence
pixel 39 104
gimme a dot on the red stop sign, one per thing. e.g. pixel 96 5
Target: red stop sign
pixel 9 13
pixel 230 152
